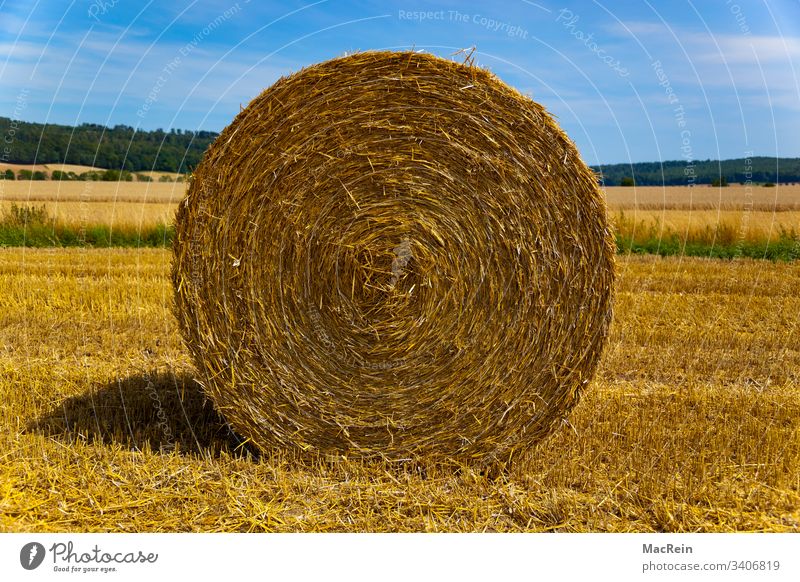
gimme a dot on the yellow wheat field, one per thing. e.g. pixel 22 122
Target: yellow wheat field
pixel 127 214
pixel 92 192
pixel 640 209
pixel 693 423
pixel 779 198
pixel 755 197
pixel 113 203
pixel 729 226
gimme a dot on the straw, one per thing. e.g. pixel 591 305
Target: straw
pixel 394 255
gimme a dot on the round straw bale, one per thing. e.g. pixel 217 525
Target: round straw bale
pixel 393 254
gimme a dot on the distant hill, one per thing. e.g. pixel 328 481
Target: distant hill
pixel 123 148
pixel 678 173
pixel 117 148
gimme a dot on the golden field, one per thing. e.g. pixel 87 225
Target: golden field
pixel 777 199
pixel 115 203
pixel 123 214
pixel 756 197
pixel 693 423
pixel 54 192
pixel 725 226
pixel 77 169
pixel 666 210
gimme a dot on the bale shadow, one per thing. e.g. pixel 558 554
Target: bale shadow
pixel 160 411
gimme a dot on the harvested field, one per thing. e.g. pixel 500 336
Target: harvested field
pixel 92 192
pixel 680 204
pixel 779 198
pixel 693 423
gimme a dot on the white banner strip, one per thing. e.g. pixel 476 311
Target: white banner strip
pixel 400 557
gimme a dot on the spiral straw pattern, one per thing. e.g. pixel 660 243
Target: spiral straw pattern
pixel 393 254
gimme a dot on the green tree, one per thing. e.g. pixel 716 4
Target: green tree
pixel 94 145
pixel 10 175
pixel 627 181
pixel 25 175
pixel 720 182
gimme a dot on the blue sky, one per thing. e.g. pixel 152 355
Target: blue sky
pixel 628 81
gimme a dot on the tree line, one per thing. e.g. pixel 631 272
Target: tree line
pixel 124 148
pixel 91 175
pixel 759 170
pixel 121 148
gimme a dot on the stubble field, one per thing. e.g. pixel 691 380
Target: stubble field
pixel 692 424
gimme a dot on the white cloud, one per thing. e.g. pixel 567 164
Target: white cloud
pixel 752 67
pixel 719 48
pixel 739 49
pixel 13 24
pixel 202 80
pixel 18 51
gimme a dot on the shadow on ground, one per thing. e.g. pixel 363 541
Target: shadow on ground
pixel 162 411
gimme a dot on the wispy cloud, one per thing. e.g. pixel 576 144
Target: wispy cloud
pixel 713 47
pixel 748 66
pixel 20 51
pixel 738 49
